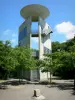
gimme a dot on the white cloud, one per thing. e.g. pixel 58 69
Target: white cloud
pixel 6 32
pixel 9 32
pixel 34 40
pixel 66 28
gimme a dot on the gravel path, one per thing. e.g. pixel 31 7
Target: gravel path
pixel 25 92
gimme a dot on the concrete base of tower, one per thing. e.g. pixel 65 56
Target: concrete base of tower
pixel 38 75
pixel 35 75
pixel 44 75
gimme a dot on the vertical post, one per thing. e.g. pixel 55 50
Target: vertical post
pixel 30 30
pixel 39 31
pixel 30 45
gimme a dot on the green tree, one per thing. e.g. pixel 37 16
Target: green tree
pixel 55 46
pixel 51 62
pixel 63 58
pixel 64 61
pixel 25 61
pixel 7 62
pixel 46 64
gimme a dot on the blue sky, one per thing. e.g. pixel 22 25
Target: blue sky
pixel 61 19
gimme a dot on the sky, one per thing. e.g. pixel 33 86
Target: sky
pixel 61 19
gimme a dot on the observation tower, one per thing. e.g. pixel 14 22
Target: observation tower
pixel 35 13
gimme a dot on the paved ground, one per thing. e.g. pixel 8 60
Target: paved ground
pixel 61 91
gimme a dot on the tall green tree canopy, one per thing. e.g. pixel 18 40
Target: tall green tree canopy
pixel 24 57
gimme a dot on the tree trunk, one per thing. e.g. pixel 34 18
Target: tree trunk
pixel 19 76
pixel 22 74
pixel 47 75
pixel 8 74
pixel 50 77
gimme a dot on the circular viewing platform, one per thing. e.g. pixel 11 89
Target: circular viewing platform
pixel 35 11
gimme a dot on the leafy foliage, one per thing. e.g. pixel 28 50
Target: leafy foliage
pixel 14 59
pixel 66 59
pixel 7 62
